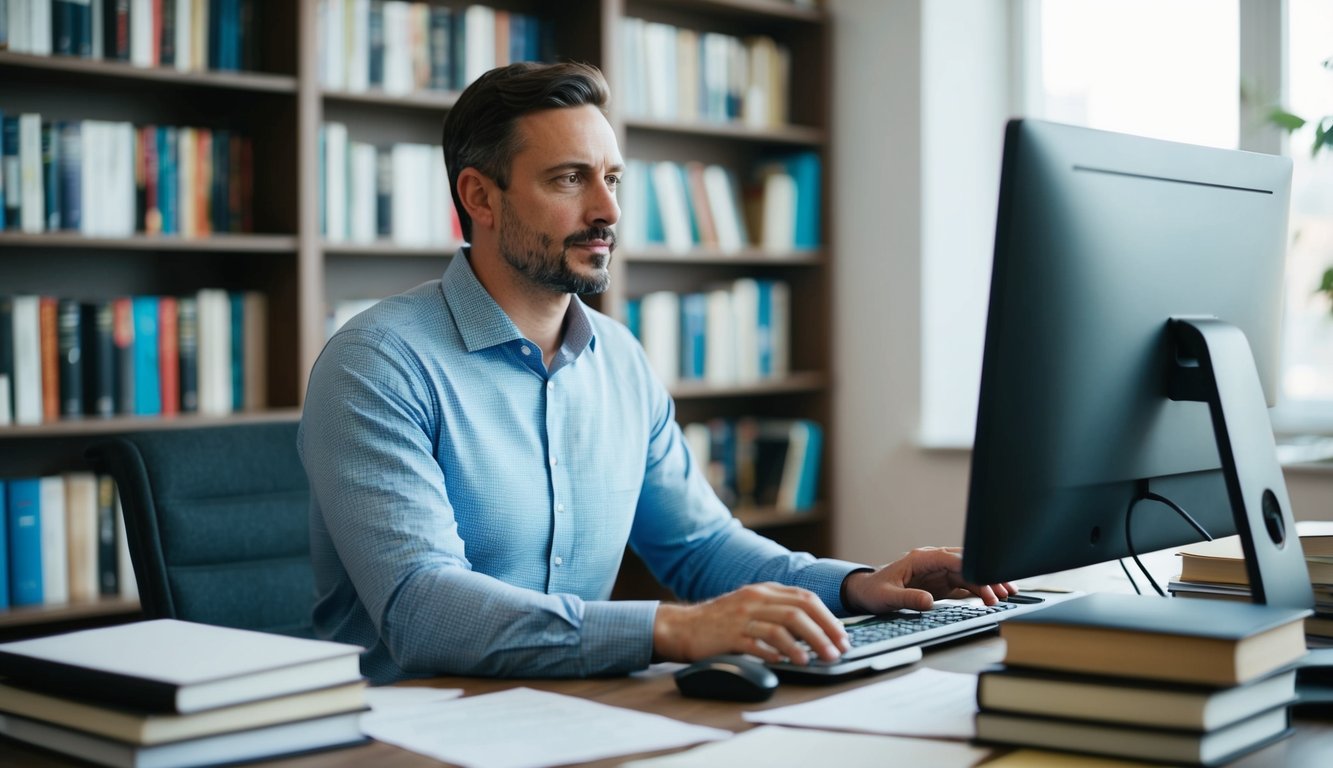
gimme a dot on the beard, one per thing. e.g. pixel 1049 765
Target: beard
pixel 533 255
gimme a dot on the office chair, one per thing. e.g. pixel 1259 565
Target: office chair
pixel 216 519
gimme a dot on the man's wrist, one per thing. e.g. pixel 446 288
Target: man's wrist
pixel 848 605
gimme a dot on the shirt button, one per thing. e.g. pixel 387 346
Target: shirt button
pixel 554 461
pixel 526 351
pixel 559 507
pixel 550 385
pixel 559 560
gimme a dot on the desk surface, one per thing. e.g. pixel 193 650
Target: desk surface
pixel 1312 744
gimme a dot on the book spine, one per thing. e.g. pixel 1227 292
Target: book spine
pixel 93 685
pixel 5 487
pixel 168 339
pixel 123 338
pixel 9 165
pixel 49 339
pixel 69 331
pixel 237 301
pixel 147 368
pixel 108 583
pixel 6 361
pixel 188 350
pixel 80 489
pixel 25 541
pixel 99 359
pixel 71 175
pixel 27 383
pixel 55 541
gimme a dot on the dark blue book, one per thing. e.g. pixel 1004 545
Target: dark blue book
pixel 122 324
pixel 4 546
pixel 99 359
pixel 440 47
pixel 693 330
pixel 375 34
pixel 62 27
pixel 83 29
pixel 9 159
pixel 69 324
pixel 25 541
pixel 147 370
pixel 237 301
pixel 187 329
pixel 116 30
pixel 166 45
pixel 6 190
pixel 71 175
pixel 220 200
pixel 51 176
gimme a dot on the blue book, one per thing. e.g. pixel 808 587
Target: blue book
pixel 634 316
pixel 147 365
pixel 440 47
pixel 4 182
pixel 375 32
pixel 654 229
pixel 167 179
pixel 764 328
pixel 4 547
pixel 25 541
pixel 237 300
pixel 805 169
pixel 71 175
pixel 9 165
pixel 50 146
pixel 693 332
pixel 807 442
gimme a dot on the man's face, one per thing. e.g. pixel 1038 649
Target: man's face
pixel 556 218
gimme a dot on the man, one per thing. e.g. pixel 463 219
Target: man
pixel 482 447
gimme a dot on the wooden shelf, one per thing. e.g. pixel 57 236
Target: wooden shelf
pixel 806 381
pixel 798 135
pixel 93 69
pixel 226 243
pixel 425 100
pixel 784 10
pixel 94 426
pixel 760 518
pixel 51 614
pixel 389 248
pixel 747 257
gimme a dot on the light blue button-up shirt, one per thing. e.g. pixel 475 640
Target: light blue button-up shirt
pixel 471 507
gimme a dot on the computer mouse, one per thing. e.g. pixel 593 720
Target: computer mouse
pixel 730 677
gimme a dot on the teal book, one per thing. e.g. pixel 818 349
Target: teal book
pixel 25 541
pixel 237 300
pixel 1206 642
pixel 806 169
pixel 4 546
pixel 147 360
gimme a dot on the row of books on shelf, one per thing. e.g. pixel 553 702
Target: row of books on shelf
pixel 155 179
pixel 755 462
pixel 734 333
pixel 690 205
pixel 677 73
pixel 62 540
pixel 177 694
pixel 1216 570
pixel 1186 682
pixel 399 193
pixel 401 47
pixel 61 358
pixel 187 35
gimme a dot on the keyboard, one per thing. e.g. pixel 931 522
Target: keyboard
pixel 892 640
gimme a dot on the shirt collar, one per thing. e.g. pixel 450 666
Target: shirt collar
pixel 482 323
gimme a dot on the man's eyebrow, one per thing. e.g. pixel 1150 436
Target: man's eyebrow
pixel 582 167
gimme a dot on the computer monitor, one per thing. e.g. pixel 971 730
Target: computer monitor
pixel 1104 385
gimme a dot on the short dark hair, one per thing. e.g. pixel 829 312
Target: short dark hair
pixel 479 131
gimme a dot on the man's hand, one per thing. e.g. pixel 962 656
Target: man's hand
pixel 915 580
pixel 765 620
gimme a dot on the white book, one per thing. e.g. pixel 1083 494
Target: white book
pixel 141 33
pixel 777 218
pixel 673 205
pixel 55 541
pixel 27 361
pixel 478 42
pixel 96 10
pixel 745 310
pixel 19 31
pixel 39 20
pixel 332 37
pixel 199 32
pixel 358 55
pixel 780 329
pixel 659 330
pixel 700 441
pixel 724 204
pixel 335 182
pixel 631 86
pixel 361 191
pixel 410 213
pixel 659 50
pixel 120 191
pixel 92 158
pixel 687 75
pixel 632 196
pixel 126 581
pixel 80 489
pixel 439 203
pixel 184 38
pixel 32 190
pixel 720 335
pixel 187 169
pixel 398 77
pixel 168 665
pixel 215 395
pixel 6 402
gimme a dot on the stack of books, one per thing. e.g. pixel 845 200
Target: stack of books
pixel 1148 678
pixel 174 694
pixel 1216 570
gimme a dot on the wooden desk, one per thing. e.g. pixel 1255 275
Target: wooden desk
pixel 1312 744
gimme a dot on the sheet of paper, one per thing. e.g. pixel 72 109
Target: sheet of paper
pixel 775 747
pixel 525 728
pixel 926 702
pixel 399 698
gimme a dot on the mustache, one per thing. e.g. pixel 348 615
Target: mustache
pixel 605 234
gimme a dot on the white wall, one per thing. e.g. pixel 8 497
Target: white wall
pixel 901 72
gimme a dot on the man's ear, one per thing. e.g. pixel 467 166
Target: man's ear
pixel 480 196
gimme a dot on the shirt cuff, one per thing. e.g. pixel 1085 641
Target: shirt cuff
pixel 824 577
pixel 617 636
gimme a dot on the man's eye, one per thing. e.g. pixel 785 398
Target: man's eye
pixel 613 181
pixel 570 178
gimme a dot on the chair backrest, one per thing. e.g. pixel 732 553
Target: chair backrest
pixel 217 523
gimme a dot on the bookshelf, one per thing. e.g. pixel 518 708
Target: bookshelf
pixel 283 102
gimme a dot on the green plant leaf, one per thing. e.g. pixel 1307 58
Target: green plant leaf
pixel 1321 135
pixel 1326 285
pixel 1285 120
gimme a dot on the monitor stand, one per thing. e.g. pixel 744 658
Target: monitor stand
pixel 1214 364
